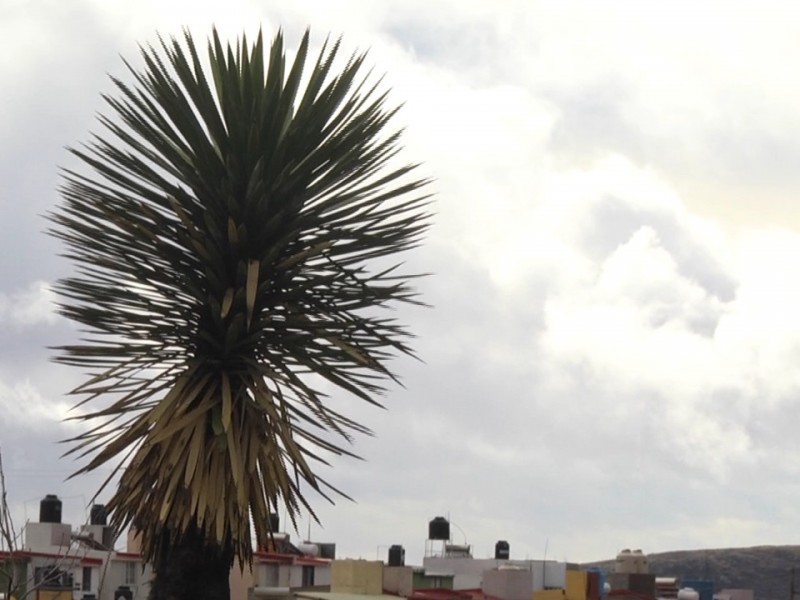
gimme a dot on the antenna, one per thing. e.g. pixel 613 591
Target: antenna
pixel 544 566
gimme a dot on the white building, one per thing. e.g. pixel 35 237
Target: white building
pixel 283 568
pixel 65 564
pixel 62 563
pixel 468 573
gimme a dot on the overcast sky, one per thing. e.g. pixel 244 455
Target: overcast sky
pixel 613 356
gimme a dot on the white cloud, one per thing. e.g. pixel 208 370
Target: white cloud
pixel 32 306
pixel 23 405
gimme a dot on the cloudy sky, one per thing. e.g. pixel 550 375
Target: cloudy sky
pixel 613 356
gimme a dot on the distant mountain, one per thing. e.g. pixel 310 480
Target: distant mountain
pixel 765 569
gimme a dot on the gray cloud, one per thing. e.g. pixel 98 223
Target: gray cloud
pixel 597 372
pixel 592 123
pixel 612 221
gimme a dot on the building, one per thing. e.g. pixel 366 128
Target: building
pixel 734 594
pixel 277 572
pixel 56 562
pixel 468 573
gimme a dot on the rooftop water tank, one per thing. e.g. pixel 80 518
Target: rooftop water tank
pixel 704 587
pixel 502 550
pixel 631 562
pixel 274 523
pixel 327 550
pixel 397 556
pixel 97 514
pixel 688 593
pixel 308 549
pixel 641 561
pixel 50 509
pixel 439 529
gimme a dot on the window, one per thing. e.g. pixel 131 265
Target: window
pixel 308 575
pixel 86 580
pixel 270 575
pixel 130 573
pixel 52 577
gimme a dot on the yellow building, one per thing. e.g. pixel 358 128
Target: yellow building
pixel 578 585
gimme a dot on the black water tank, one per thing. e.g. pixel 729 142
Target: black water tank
pixel 327 550
pixel 397 556
pixel 439 529
pixel 97 514
pixel 123 593
pixel 274 523
pixel 50 509
pixel 501 550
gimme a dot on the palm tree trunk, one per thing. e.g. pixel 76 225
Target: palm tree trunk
pixel 192 568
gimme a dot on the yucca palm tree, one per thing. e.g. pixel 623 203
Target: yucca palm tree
pixel 230 235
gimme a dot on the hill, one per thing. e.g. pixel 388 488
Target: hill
pixel 765 569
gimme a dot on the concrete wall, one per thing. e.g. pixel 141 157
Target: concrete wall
pixel 322 574
pixel 51 538
pixel 133 543
pixel 576 584
pixel 295 575
pixel 508 584
pixel 241 581
pixel 548 595
pixel 399 580
pixel 548 574
pixel 735 594
pixel 270 574
pixel 357 576
pixel 469 571
pixel 642 583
